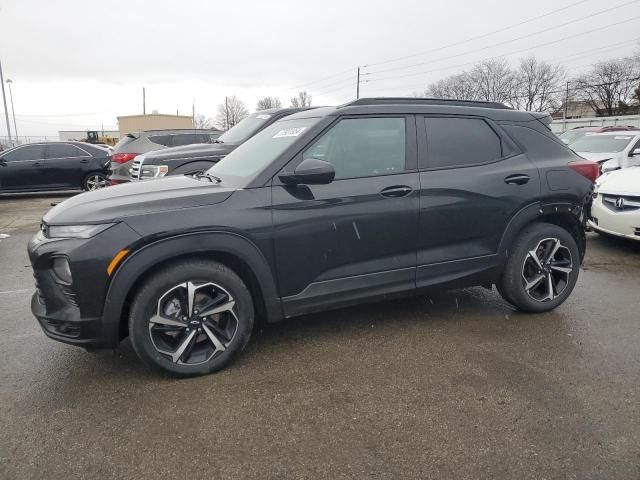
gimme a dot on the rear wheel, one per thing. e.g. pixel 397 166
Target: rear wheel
pixel 94 181
pixel 542 268
pixel 191 318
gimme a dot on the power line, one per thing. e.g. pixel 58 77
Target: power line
pixel 323 79
pixel 505 41
pixel 504 55
pixel 478 37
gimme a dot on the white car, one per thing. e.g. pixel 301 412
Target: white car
pixel 612 150
pixel 616 205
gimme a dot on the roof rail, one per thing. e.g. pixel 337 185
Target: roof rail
pixel 424 101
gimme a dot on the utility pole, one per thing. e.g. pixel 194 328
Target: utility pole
pixel 144 102
pixel 13 110
pixel 566 101
pixel 193 115
pixel 226 106
pixel 6 112
pixel 358 85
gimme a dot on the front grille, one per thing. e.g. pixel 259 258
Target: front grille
pixel 136 167
pixel 621 203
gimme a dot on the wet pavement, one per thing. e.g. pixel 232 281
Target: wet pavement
pixel 451 385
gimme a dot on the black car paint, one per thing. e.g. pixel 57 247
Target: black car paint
pixel 52 173
pixel 311 247
pixel 198 158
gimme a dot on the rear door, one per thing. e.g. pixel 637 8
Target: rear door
pixel 21 168
pixel 66 165
pixel 356 236
pixel 473 179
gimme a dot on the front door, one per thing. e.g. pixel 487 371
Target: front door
pixel 21 168
pixel 357 236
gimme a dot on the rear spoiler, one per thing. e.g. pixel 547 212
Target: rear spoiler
pixel 543 117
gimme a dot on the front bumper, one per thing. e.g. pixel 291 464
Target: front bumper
pixel 72 312
pixel 605 219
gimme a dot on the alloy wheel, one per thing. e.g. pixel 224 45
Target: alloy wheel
pixel 546 270
pixel 194 322
pixel 95 182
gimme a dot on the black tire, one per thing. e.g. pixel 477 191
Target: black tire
pixel 171 282
pixel 521 266
pixel 94 181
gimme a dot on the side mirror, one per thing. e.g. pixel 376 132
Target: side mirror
pixel 635 153
pixel 310 172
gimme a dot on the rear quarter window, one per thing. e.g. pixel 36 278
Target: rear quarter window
pixel 537 145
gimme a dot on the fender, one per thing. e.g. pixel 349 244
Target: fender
pixel 136 264
pixel 537 211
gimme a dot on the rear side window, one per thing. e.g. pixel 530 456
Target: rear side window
pixel 64 151
pixel 166 140
pixel 457 142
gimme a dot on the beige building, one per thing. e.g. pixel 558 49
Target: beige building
pixel 152 121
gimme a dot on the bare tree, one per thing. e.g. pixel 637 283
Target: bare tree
pixel 458 86
pixel 493 80
pixel 268 102
pixel 608 86
pixel 303 99
pixel 537 85
pixel 230 112
pixel 203 122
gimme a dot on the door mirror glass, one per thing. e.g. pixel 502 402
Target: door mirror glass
pixel 310 172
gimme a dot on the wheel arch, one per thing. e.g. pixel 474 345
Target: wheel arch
pixel 230 249
pixel 561 212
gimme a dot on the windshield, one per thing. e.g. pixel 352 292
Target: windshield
pixel 259 151
pixel 243 130
pixel 571 136
pixel 601 143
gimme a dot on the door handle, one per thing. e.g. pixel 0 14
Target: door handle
pixel 517 179
pixel 84 161
pixel 396 191
pixel 36 164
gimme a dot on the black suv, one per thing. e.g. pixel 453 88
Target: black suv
pixel 324 208
pixel 198 158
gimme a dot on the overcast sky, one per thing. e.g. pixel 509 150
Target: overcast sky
pixel 77 64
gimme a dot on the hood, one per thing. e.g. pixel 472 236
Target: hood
pixel 186 151
pixel 121 201
pixel 625 181
pixel 599 157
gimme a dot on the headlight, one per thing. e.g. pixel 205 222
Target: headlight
pixel 75 231
pixel 153 171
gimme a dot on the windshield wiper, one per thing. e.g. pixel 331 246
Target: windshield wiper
pixel 208 176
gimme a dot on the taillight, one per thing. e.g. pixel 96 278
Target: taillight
pixel 122 157
pixel 588 169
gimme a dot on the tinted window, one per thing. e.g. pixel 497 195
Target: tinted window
pixel 166 140
pixel 185 139
pixel 537 145
pixel 64 151
pixel 461 141
pixel 30 152
pixel 363 147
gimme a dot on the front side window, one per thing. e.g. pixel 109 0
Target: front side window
pixel 29 152
pixel 456 142
pixel 64 151
pixel 363 147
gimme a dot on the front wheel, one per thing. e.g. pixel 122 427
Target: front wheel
pixel 191 318
pixel 542 268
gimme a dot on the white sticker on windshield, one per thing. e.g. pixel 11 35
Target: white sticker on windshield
pixel 263 116
pixel 621 138
pixel 290 132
